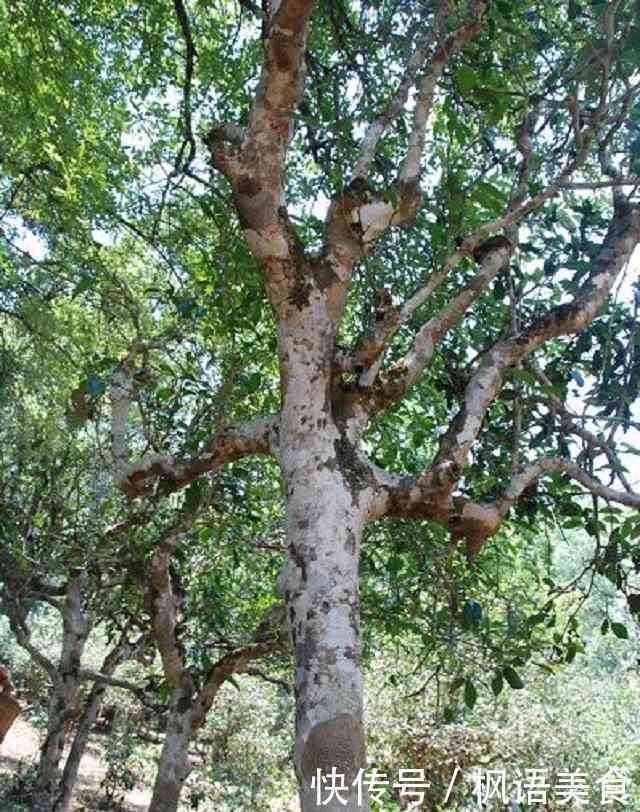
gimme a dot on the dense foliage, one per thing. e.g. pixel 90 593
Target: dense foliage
pixel 326 310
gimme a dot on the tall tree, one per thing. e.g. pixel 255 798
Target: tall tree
pixel 417 187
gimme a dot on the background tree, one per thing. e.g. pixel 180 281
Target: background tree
pixel 69 542
pixel 412 189
pixel 50 514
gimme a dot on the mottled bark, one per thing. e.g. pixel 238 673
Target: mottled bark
pixel 174 765
pixel 320 584
pixel 66 681
pixel 327 491
pixel 328 396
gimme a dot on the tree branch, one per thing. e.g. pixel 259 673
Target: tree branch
pixel 271 638
pixel 189 140
pixel 258 436
pixel 381 214
pixel 405 372
pixel 428 497
pixel 410 169
pixel 255 166
pixel 380 125
pixel 621 239
pixel 569 424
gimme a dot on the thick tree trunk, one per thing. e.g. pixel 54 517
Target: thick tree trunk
pixel 325 515
pixel 174 766
pixel 324 537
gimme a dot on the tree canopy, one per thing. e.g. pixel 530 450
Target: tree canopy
pixel 334 265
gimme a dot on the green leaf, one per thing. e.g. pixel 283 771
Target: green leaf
pixel 85 283
pixel 620 631
pixel 254 382
pixel 418 439
pixel 497 684
pixel 471 614
pixel 164 394
pixel 193 496
pixel 466 79
pixel 456 684
pixel 513 678
pixel 470 694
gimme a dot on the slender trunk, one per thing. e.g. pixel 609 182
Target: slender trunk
pixel 174 765
pixel 51 751
pixel 69 778
pixel 67 783
pixel 325 515
pixel 76 628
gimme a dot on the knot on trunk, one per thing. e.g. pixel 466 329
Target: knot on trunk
pixel 335 743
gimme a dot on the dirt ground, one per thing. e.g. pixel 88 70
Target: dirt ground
pixel 20 750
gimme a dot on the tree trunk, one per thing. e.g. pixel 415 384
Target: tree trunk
pixel 174 766
pixel 69 778
pixel 319 581
pixel 76 627
pixel 50 753
pixel 324 536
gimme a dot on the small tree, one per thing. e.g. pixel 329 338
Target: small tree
pixel 43 568
pixel 195 668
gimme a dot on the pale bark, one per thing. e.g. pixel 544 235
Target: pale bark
pixel 330 488
pixel 229 444
pixel 62 702
pixel 320 585
pixel 189 702
pixel 53 790
pixel 67 783
pixel 622 237
pixel 174 765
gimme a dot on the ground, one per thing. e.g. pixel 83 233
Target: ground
pixel 20 750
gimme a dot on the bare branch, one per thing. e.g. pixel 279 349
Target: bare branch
pixel 428 496
pixel 122 393
pixel 410 169
pixel 378 127
pixel 532 472
pixel 569 424
pixel 371 215
pixel 189 140
pixel 517 209
pixel 235 662
pixel 164 603
pixel 404 373
pixel 622 180
pixel 100 678
pixel 370 347
pixel 256 672
pixel 255 167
